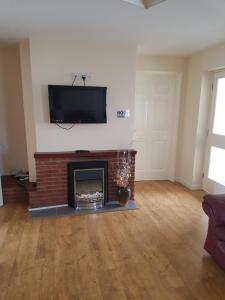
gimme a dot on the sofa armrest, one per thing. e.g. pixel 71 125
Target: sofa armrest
pixel 214 207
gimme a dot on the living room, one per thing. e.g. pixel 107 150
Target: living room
pixel 111 134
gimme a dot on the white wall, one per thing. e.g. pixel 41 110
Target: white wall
pixel 197 72
pixel 16 155
pixel 161 63
pixel 196 113
pixel 3 134
pixel 28 105
pixel 3 131
pixel 12 128
pixel 52 61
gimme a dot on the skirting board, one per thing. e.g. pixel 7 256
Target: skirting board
pixel 190 186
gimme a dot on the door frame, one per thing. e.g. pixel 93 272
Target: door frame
pixel 175 129
pixel 209 184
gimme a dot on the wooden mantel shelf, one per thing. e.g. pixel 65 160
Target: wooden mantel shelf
pixel 74 154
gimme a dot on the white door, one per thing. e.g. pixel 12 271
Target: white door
pixel 214 179
pixel 156 124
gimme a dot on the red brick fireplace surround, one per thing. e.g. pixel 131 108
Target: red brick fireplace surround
pixel 51 167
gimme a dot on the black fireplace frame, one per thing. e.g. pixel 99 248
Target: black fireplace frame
pixel 71 166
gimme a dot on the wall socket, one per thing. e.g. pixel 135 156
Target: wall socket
pixel 80 75
pixel 122 114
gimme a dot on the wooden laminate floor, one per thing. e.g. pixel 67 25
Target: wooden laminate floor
pixel 154 253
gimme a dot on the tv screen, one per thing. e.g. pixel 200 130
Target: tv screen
pixel 77 104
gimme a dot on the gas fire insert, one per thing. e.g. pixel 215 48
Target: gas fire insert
pixel 87 184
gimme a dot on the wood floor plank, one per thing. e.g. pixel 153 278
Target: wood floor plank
pixel 153 253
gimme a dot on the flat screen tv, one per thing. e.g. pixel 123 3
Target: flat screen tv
pixel 77 104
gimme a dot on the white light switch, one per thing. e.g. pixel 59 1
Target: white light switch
pixel 123 113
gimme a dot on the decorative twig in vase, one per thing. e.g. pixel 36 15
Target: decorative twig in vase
pixel 123 175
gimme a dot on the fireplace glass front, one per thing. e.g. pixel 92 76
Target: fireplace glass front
pixel 89 188
pixel 88 184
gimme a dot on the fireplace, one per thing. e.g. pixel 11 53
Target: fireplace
pixel 87 184
pixel 51 187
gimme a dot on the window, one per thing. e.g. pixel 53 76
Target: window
pixel 217 165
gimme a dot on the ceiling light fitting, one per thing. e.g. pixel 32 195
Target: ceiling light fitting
pixel 144 3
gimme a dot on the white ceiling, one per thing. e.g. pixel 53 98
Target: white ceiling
pixel 174 27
